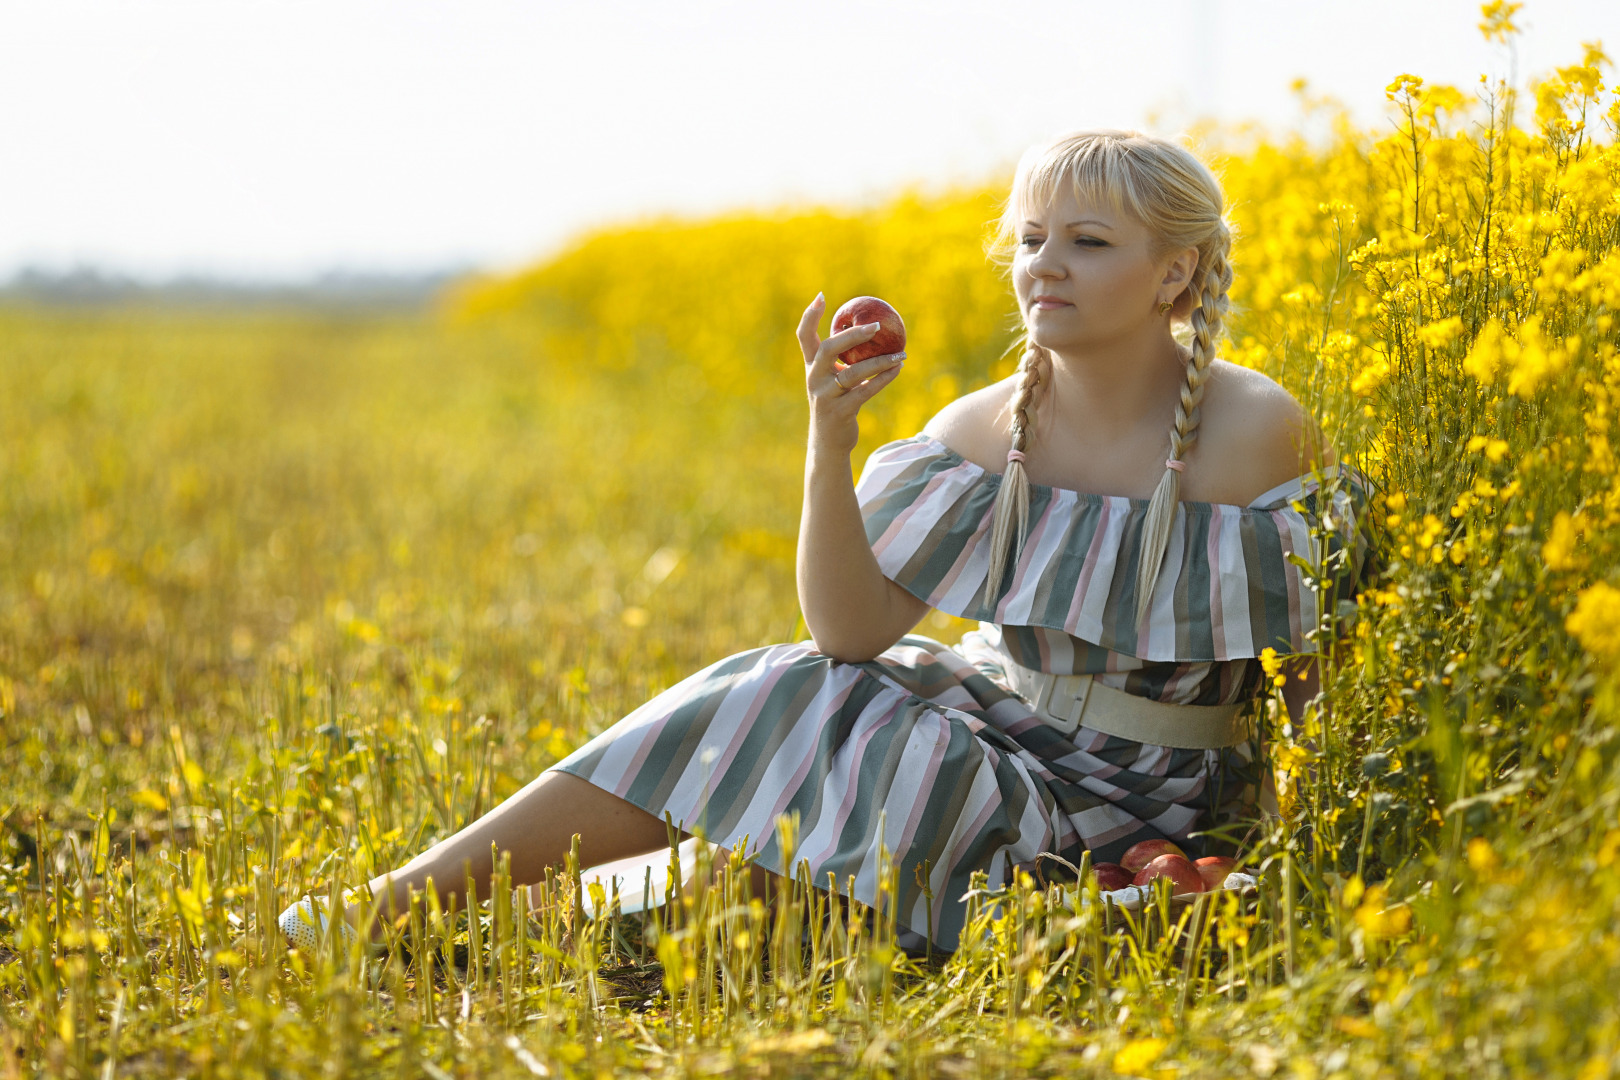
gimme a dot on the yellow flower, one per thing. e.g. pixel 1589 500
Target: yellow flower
pixel 1536 359
pixel 1370 378
pixel 1495 449
pixel 1595 622
pixel 1440 98
pixel 1498 16
pixel 1481 859
pixel 1527 362
pixel 1378 921
pixel 1485 357
pixel 1135 1056
pixel 1289 757
pixel 1559 551
pixel 1596 1068
pixel 1403 84
pixel 1550 103
pixel 1439 334
pixel 1272 664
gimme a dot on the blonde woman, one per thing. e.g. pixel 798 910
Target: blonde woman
pixel 1119 514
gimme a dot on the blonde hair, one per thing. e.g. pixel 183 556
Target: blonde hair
pixel 1178 199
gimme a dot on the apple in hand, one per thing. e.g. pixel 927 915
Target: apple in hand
pixel 1111 876
pixel 1139 855
pixel 891 335
pixel 1213 869
pixel 1183 875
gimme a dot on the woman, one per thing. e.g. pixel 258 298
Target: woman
pixel 1119 513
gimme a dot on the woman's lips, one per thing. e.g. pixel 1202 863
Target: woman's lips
pixel 1047 303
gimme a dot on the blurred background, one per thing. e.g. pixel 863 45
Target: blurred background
pixel 332 144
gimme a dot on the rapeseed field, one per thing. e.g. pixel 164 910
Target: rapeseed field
pixel 285 596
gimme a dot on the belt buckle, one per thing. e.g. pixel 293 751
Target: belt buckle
pixel 1073 700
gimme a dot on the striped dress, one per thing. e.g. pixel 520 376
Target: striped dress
pixel 929 739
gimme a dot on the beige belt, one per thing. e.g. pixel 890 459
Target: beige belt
pixel 1065 702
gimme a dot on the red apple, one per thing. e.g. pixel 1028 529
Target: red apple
pixel 1111 876
pixel 1214 869
pixel 891 335
pixel 1183 875
pixel 1141 854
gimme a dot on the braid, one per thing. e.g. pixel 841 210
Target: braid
pixel 1207 318
pixel 1012 500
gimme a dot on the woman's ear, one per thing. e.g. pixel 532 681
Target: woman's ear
pixel 1179 272
pixel 1178 275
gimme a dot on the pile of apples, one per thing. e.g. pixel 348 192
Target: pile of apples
pixel 1153 859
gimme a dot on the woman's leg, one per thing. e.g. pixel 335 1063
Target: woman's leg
pixel 536 827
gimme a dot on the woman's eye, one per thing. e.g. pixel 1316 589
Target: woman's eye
pixel 1031 241
pixel 1090 241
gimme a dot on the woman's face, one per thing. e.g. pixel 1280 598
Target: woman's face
pixel 1085 275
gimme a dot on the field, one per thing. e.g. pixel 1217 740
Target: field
pixel 286 595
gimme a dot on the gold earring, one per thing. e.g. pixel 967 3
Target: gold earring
pixel 1165 306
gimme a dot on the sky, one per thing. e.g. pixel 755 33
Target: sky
pixel 280 139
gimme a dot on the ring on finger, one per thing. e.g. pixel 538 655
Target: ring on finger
pixel 838 377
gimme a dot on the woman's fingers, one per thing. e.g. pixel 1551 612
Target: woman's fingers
pixel 843 341
pixel 859 372
pixel 859 395
pixel 850 386
pixel 809 340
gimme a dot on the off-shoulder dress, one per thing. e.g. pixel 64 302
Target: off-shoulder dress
pixel 930 739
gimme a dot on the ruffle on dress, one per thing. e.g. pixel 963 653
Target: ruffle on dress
pixel 1236 579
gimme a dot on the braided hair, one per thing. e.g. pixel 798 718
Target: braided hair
pixel 1012 501
pixel 1176 196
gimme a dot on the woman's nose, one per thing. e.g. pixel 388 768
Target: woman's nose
pixel 1043 265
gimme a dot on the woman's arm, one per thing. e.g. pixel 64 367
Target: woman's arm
pixel 852 610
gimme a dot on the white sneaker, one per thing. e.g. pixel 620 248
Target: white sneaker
pixel 303 923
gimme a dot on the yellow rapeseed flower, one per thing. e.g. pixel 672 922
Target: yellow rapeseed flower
pixel 1378 919
pixel 1135 1056
pixel 1537 359
pixel 1527 362
pixel 1595 622
pixel 1437 99
pixel 1440 334
pixel 1559 552
pixel 1272 664
pixel 1498 22
pixel 1485 357
pixel 1481 858
pixel 1370 377
pixel 1403 84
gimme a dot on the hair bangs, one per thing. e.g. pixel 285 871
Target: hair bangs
pixel 1095 165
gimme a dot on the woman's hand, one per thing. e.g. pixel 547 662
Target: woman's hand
pixel 837 394
pixel 852 610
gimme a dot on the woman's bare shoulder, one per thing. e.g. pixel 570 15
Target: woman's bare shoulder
pixel 975 425
pixel 1256 432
